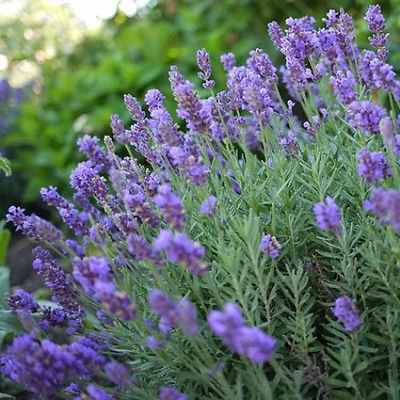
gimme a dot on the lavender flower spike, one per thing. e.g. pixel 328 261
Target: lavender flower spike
pixel 375 19
pixel 21 300
pixel 250 342
pixel 270 245
pixel 372 166
pixel 345 311
pixel 203 61
pixel 208 206
pixel 168 393
pixel 171 206
pixel 180 249
pixel 328 215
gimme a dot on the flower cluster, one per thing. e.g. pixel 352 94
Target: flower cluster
pixel 248 341
pixel 270 245
pixel 181 250
pixel 385 204
pixel 46 367
pixel 345 311
pixel 328 215
pixel 172 315
pixel 372 166
pixel 94 275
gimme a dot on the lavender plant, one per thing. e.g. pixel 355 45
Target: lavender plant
pixel 255 256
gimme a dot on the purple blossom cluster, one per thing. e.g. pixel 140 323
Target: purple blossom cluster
pixel 33 226
pixel 328 215
pixel 172 314
pixel 181 250
pixel 21 300
pixel 171 206
pixel 345 311
pixel 63 292
pixel 385 204
pixel 89 145
pixel 203 61
pixel 208 207
pixel 270 245
pixel 366 116
pixel 168 393
pixel 247 341
pixel 372 166
pixel 95 277
pixel 375 19
pixel 45 367
pixel 69 214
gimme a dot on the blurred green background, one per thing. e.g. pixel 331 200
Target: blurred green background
pixel 62 79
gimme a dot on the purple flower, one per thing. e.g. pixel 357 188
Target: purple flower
pixel 62 290
pixel 375 19
pixel 375 72
pixel 387 132
pixel 171 206
pixel 134 108
pixel 225 323
pixel 288 142
pixel 89 145
pixel 96 393
pixel 275 33
pixel 141 249
pixel 118 374
pixel 203 61
pixel 172 315
pixel 190 161
pixel 161 123
pixel 188 317
pixel 250 342
pixel 69 214
pixel 136 201
pixel 270 245
pixel 328 215
pixel 208 206
pixel 153 343
pixel 168 393
pixel 379 41
pixel 44 367
pixel 385 204
pixel 94 275
pixel 74 388
pixel 345 311
pixel 189 104
pixel 85 180
pixel 256 97
pixel 87 359
pixel 366 115
pixel 260 63
pixel 120 134
pixel 343 86
pixel 181 250
pixel 163 306
pixel 228 61
pixel 255 344
pixel 372 166
pixel 21 300
pixel 33 226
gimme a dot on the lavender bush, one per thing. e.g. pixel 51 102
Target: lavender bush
pixel 254 256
